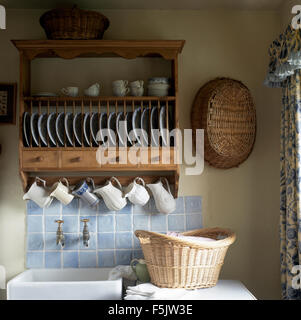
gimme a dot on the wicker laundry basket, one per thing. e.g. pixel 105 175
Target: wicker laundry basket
pixel 176 263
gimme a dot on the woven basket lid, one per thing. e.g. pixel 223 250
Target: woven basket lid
pixel 224 108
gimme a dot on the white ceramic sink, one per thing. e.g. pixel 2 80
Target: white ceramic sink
pixel 64 284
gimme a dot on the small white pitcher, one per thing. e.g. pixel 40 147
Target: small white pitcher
pixel 112 196
pixel 165 202
pixel 61 192
pixel 38 194
pixel 136 192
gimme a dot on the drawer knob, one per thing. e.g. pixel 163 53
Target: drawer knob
pixel 77 159
pixel 38 159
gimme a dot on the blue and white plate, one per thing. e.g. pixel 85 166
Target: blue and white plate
pixel 86 127
pixel 69 128
pixel 60 128
pixel 94 127
pixel 136 123
pixel 103 124
pixel 145 125
pixel 154 125
pixel 78 127
pixel 112 127
pixel 42 128
pixel 121 130
pixel 26 129
pixel 163 124
pixel 34 129
pixel 128 119
pixel 51 128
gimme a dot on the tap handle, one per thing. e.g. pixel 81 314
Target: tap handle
pixel 59 221
pixel 85 221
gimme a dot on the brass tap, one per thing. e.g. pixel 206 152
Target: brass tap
pixel 60 238
pixel 86 235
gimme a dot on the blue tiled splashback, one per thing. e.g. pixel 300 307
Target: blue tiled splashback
pixel 112 239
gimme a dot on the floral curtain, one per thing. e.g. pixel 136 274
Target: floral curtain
pixel 285 71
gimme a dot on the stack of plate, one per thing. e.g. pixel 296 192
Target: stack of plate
pixel 142 127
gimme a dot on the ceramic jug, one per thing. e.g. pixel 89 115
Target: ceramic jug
pixel 85 192
pixel 140 270
pixel 61 191
pixel 136 192
pixel 38 193
pixel 112 196
pixel 165 202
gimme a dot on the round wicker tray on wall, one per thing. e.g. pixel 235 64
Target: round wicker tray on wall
pixel 224 108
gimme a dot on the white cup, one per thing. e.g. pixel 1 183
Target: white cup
pixel 62 192
pixel 70 91
pixel 137 193
pixel 93 91
pixel 137 91
pixel 120 83
pixel 38 193
pixel 137 84
pixel 120 91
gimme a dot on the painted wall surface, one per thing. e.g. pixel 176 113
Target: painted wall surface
pixel 246 199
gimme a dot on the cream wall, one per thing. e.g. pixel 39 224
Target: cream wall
pixel 246 199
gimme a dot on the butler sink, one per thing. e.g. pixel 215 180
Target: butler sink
pixel 64 284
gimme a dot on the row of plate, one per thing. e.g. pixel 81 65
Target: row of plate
pixel 89 129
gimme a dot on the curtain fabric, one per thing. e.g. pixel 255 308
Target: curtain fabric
pixel 290 216
pixel 284 72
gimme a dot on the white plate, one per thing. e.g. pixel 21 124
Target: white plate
pixel 163 123
pixel 154 125
pixel 112 126
pixel 94 126
pixel 136 123
pixel 145 126
pixel 42 128
pixel 86 127
pixel 60 128
pixel 69 127
pixel 51 127
pixel 26 129
pixel 122 134
pixel 77 128
pixel 128 119
pixel 103 124
pixel 34 128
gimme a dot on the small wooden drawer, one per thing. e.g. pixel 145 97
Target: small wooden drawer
pixel 40 160
pixel 85 160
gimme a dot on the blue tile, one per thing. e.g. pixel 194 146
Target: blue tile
pixel 87 259
pixel 138 254
pixel 123 222
pixel 140 222
pixel 91 224
pixel 152 206
pixel 180 206
pixel 105 223
pixel 50 242
pixel 50 224
pixel 71 241
pixel 92 242
pixel 72 208
pixel 70 259
pixel 33 208
pixel 123 240
pixel 54 209
pixel 86 209
pixel 52 259
pixel 71 224
pixel 176 223
pixel 35 260
pixel 35 241
pixel 123 257
pixel 35 224
pixel 127 209
pixel 106 259
pixel 158 222
pixel 137 209
pixel 193 221
pixel 105 240
pixel 103 209
pixel 193 204
pixel 136 243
